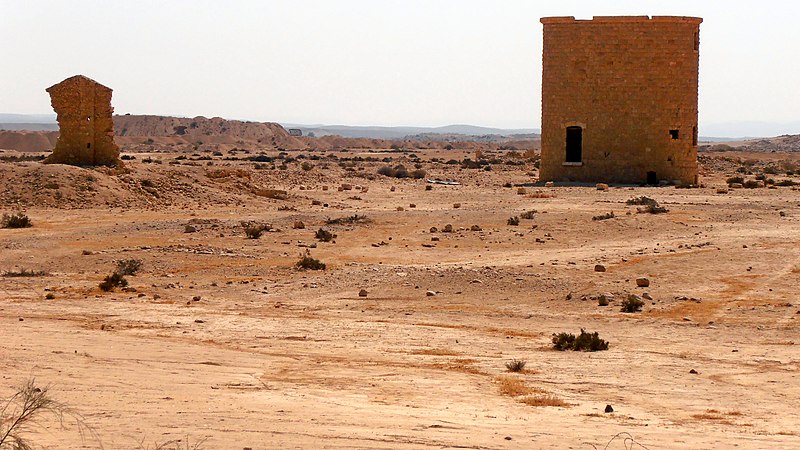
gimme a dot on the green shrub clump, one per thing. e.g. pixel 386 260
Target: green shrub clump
pixel 585 342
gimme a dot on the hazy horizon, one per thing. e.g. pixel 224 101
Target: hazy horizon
pixel 359 63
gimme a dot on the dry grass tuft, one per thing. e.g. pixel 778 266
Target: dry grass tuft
pixel 544 400
pixel 435 352
pixel 515 387
pixel 532 396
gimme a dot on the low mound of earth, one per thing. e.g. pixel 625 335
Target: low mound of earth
pixel 28 141
pixel 29 184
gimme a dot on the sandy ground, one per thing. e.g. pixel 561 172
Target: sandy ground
pixel 220 340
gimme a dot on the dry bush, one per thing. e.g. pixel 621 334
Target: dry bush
pixel 516 365
pixel 15 220
pixel 307 262
pixel 129 266
pixel 112 281
pixel 513 221
pixel 324 235
pixel 585 342
pixel 254 230
pixel 26 409
pixel 606 216
pixel 355 218
pixel 643 201
pixel 528 215
pixel 632 304
pixel 543 400
pixel 25 273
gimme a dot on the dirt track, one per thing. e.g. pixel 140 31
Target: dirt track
pixel 273 357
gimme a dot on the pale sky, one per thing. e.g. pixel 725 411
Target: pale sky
pixel 370 62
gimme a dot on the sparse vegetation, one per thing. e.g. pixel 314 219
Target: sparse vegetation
pixel 324 235
pixel 632 304
pixel 642 201
pixel 129 266
pixel 355 218
pixel 24 273
pixel 400 171
pixel 606 216
pixel 24 411
pixel 649 205
pixel 112 281
pixel 653 209
pixel 513 221
pixel 528 215
pixel 15 220
pixel 516 365
pixel 307 262
pixel 254 230
pixel 585 342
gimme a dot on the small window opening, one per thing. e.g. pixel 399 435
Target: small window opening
pixel 574 144
pixel 694 136
pixel 89 145
pixel 674 134
pixel 652 178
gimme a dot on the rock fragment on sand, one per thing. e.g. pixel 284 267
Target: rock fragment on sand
pixel 642 282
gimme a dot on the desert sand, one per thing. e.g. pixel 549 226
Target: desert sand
pixel 221 342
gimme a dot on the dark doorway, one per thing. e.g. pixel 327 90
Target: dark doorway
pixel 574 144
pixel 652 178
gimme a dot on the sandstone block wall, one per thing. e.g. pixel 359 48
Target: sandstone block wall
pixel 631 84
pixel 84 110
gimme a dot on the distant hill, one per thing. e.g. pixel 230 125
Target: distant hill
pixel 27 118
pixel 403 132
pixel 29 122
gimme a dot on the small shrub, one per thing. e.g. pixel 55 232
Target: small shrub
pixel 605 216
pixel 418 174
pixel 516 365
pixel 307 262
pixel 513 221
pixel 632 304
pixel 25 273
pixel 15 220
pixel 643 200
pixel 585 342
pixel 324 235
pixel 23 412
pixel 355 218
pixel 128 266
pixel 112 281
pixel 307 166
pixel 654 209
pixel 528 215
pixel 254 230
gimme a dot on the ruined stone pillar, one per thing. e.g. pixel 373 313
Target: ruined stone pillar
pixel 86 136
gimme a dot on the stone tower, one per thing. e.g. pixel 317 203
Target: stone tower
pixel 86 136
pixel 619 99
